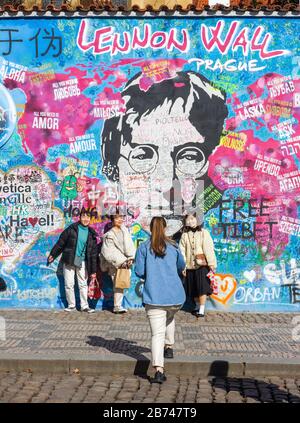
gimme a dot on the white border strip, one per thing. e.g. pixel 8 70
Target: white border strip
pixel 148 14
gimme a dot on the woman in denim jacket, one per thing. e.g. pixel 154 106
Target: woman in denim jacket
pixel 160 263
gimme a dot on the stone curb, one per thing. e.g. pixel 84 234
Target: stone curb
pixel 120 365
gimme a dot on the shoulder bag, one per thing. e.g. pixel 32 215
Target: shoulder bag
pixel 122 278
pixel 201 260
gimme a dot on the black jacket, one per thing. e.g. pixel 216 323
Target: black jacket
pixel 66 245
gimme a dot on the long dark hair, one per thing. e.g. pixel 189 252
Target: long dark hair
pixel 159 239
pixel 187 228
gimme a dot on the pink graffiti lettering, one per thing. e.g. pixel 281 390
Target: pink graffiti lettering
pixel 145 41
pixel 106 40
pixel 241 40
pixel 215 36
pixel 98 41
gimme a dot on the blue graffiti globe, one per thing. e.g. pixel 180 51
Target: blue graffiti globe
pixel 8 115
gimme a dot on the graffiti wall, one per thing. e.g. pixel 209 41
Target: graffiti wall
pixel 164 116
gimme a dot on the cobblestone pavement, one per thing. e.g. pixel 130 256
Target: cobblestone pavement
pixel 28 387
pixel 228 334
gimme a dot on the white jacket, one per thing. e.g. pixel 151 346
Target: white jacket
pixel 113 254
pixel 203 245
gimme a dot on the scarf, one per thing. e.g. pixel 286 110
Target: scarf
pixel 192 229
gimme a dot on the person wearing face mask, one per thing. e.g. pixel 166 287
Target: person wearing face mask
pixel 117 252
pixel 197 248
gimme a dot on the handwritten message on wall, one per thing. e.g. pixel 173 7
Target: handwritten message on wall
pixel 156 114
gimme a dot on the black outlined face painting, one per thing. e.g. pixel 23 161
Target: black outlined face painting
pixel 162 141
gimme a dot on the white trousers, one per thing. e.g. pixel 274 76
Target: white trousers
pixel 82 277
pixel 162 324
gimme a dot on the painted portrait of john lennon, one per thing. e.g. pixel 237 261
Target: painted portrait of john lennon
pixel 166 134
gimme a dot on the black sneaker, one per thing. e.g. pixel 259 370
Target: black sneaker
pixel 168 352
pixel 158 377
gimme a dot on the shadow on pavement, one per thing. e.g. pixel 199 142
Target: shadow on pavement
pixel 123 346
pixel 248 387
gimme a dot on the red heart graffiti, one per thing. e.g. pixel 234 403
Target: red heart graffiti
pixel 33 221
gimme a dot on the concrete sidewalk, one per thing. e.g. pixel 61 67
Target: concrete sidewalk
pixel 221 344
